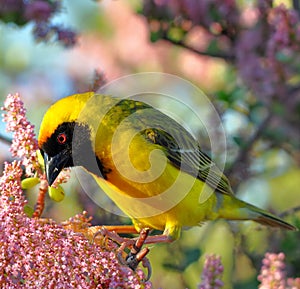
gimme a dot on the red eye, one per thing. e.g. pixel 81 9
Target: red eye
pixel 61 138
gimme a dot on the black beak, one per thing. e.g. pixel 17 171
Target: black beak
pixel 54 165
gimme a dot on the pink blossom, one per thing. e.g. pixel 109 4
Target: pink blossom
pixel 212 273
pixel 37 253
pixel 40 253
pixel 267 53
pixel 272 274
pixel 293 283
pixel 24 145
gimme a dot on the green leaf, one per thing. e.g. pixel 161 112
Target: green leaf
pixel 56 194
pixel 29 183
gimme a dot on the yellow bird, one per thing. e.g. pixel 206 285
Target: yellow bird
pixel 147 163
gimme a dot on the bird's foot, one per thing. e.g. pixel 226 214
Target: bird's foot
pixel 136 254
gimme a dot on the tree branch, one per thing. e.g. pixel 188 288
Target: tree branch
pixel 243 153
pixel 289 212
pixel 225 56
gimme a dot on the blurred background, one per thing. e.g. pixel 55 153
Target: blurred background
pixel 244 55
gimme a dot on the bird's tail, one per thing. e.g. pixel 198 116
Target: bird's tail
pixel 270 220
pixel 240 210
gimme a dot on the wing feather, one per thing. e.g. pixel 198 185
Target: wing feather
pixel 183 151
pixel 180 147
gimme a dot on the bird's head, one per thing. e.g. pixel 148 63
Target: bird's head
pixel 56 134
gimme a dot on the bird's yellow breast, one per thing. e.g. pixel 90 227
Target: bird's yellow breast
pixel 148 188
pixel 178 203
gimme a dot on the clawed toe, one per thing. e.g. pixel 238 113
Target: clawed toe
pixel 137 253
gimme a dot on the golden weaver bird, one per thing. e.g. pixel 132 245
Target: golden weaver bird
pixel 147 163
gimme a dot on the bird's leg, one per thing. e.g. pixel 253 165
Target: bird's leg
pixel 121 229
pixel 112 232
pixel 137 253
pixel 158 239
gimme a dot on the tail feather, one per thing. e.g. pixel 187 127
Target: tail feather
pixel 232 208
pixel 260 216
pixel 272 221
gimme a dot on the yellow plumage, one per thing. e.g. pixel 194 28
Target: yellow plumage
pixel 149 165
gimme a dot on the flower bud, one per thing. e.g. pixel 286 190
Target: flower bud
pixel 29 183
pixel 56 194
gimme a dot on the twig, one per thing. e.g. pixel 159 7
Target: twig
pixel 40 204
pixel 5 139
pixel 243 153
pixel 99 80
pixel 289 212
pixel 229 57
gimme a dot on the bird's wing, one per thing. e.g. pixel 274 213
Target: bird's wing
pixel 184 152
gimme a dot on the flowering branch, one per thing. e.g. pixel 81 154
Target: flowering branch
pixel 273 275
pixel 260 41
pixel 40 253
pixel 24 144
pixel 212 273
pixel 40 13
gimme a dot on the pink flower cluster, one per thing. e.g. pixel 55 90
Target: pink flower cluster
pixel 285 31
pixel 209 14
pixel 62 178
pixel 262 40
pixel 40 13
pixel 37 254
pixel 272 272
pixel 268 53
pixel 212 273
pixel 24 144
pixel 273 275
